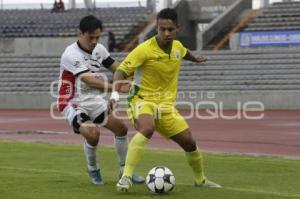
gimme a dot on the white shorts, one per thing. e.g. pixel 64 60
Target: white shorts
pixel 94 109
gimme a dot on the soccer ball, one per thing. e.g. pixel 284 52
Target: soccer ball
pixel 160 179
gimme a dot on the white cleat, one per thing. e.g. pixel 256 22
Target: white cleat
pixel 124 184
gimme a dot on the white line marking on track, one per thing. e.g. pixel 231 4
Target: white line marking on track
pixel 21 120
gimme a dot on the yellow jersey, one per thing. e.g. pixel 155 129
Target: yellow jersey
pixel 155 72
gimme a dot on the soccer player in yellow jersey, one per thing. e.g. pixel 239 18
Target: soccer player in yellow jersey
pixel 155 64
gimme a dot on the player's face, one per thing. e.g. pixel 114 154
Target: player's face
pixel 166 31
pixel 89 40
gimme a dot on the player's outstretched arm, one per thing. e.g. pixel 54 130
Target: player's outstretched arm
pixel 114 67
pixel 90 79
pixel 126 86
pixel 118 83
pixel 198 59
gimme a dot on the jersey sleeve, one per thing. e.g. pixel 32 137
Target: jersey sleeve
pixel 74 64
pixel 133 61
pixel 183 49
pixel 107 60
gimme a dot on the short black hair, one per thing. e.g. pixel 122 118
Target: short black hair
pixel 168 13
pixel 90 23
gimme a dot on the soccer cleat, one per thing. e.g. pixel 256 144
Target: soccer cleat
pixel 124 184
pixel 135 178
pixel 95 177
pixel 208 184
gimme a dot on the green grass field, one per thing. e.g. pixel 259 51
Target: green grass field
pixel 51 171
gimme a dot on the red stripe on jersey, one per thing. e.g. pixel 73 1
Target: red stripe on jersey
pixel 66 90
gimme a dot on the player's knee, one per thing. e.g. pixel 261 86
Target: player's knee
pixel 147 130
pixel 93 136
pixel 123 130
pixel 190 146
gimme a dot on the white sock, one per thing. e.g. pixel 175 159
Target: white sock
pixel 91 156
pixel 121 146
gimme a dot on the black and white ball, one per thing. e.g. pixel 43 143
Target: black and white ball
pixel 160 179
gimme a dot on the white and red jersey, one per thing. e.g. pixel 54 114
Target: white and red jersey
pixel 75 61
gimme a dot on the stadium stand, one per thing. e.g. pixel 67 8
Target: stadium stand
pixel 270 75
pixel 124 22
pixel 277 16
pixel 243 70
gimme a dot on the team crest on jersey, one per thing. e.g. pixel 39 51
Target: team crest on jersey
pixel 158 58
pixel 127 63
pixel 76 64
pixel 97 55
pixel 139 106
pixel 177 54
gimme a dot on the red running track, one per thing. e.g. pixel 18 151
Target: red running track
pixel 277 133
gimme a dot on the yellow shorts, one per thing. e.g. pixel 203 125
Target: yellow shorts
pixel 168 121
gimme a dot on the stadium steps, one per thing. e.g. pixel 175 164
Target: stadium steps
pixel 189 67
pixel 238 72
pixel 280 17
pixel 255 29
pixel 249 69
pixel 238 87
pixel 183 78
pixel 122 21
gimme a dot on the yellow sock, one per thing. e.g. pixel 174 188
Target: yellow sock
pixel 194 159
pixel 135 151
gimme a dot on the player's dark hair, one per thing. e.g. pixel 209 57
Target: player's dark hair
pixel 90 23
pixel 168 13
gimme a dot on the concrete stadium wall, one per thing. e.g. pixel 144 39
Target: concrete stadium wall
pixel 219 23
pixel 25 100
pixel 38 45
pixel 227 100
pixel 205 11
pixel 270 100
pixel 187 32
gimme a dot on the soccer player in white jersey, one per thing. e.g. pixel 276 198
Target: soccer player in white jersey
pixel 81 95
